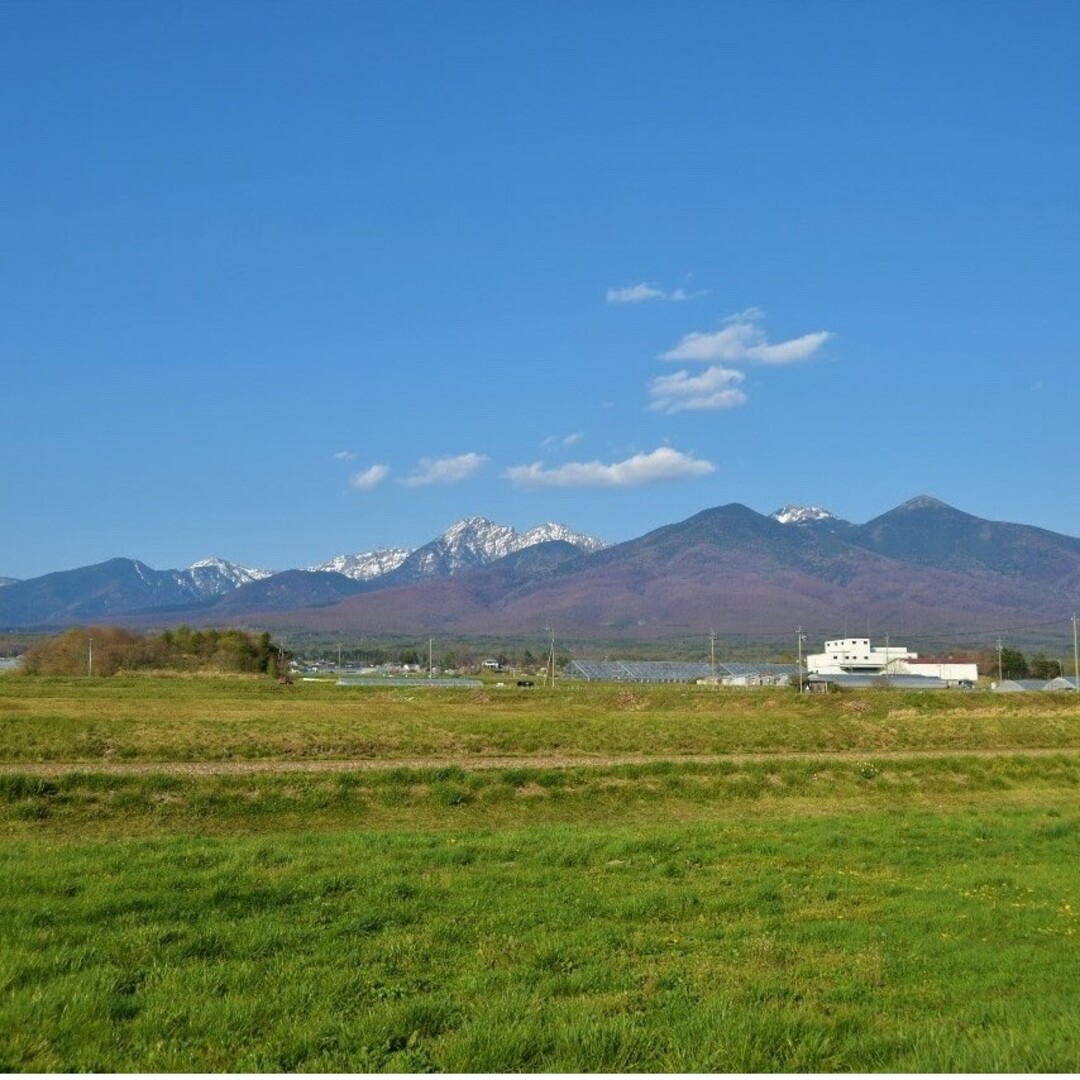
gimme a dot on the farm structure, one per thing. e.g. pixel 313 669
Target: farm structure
pixel 1027 686
pixel 856 656
pixel 672 671
pixel 846 681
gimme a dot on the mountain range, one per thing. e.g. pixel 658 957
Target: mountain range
pixel 122 589
pixel 923 566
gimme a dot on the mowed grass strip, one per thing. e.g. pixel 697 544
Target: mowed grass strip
pixel 144 719
pixel 908 941
pixel 117 804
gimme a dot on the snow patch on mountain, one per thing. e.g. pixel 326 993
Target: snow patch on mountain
pixel 465 545
pixel 216 577
pixel 365 565
pixel 801 515
pixel 477 541
pixel 552 530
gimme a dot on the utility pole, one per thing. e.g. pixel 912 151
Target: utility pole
pixel 1001 678
pixel 712 651
pixel 551 631
pixel 800 637
pixel 430 664
pixel 90 657
pixel 887 658
pixel 1076 659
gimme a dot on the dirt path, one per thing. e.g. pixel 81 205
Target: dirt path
pixel 538 761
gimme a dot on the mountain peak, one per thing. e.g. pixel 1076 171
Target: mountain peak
pixel 552 530
pixel 924 502
pixel 477 530
pixel 801 515
pixel 468 543
pixel 478 540
pixel 365 565
pixel 212 562
pixel 214 576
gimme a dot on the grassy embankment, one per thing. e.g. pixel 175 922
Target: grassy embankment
pixel 903 899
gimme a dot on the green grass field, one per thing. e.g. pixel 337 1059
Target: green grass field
pixel 229 875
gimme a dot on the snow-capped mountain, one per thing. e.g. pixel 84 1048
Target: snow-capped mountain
pixel 476 541
pixel 216 577
pixel 947 567
pixel 123 587
pixel 551 530
pixel 471 542
pixel 802 515
pixel 365 565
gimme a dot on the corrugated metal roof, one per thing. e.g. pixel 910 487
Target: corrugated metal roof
pixel 671 671
pixel 898 682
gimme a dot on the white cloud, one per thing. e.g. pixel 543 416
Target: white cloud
pixel 369 478
pixel 744 341
pixel 447 470
pixel 789 352
pixel 344 455
pixel 637 294
pixel 634 294
pixel 663 464
pixel 715 388
pixel 730 344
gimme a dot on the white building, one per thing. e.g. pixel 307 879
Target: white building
pixel 856 656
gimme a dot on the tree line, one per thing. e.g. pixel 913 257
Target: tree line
pixel 110 650
pixel 1014 665
pixel 458 658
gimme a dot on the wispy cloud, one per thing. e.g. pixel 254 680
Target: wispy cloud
pixel 634 294
pixel 744 341
pixel 446 470
pixel 750 314
pixel 715 388
pixel 640 293
pixel 662 465
pixel 369 478
pixel 560 442
pixel 345 455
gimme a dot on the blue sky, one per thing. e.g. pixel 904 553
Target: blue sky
pixel 283 281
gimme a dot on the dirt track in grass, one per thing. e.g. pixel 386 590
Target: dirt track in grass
pixel 474 762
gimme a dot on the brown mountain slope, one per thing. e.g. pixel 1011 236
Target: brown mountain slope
pixel 672 583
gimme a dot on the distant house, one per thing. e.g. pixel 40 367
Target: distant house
pixel 491 665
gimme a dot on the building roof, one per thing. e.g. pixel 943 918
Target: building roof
pixel 866 681
pixel 671 670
